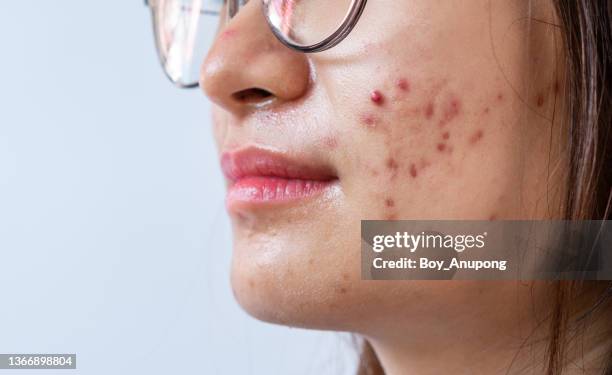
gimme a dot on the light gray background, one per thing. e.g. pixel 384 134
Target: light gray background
pixel 114 242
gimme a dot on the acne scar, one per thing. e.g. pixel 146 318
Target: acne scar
pixel 477 136
pixel 376 97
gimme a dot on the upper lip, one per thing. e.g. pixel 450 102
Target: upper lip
pixel 256 162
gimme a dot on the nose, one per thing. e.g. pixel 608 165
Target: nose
pixel 247 67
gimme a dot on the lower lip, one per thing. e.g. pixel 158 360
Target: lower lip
pixel 259 189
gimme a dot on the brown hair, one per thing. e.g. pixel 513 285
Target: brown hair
pixel 587 35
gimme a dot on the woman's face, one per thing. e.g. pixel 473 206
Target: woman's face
pixel 429 109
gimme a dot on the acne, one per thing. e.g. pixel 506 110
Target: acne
pixel 446 135
pixel 369 121
pixel 403 84
pixel 451 111
pixel 486 111
pixel 477 136
pixel 429 110
pixel 392 166
pixel 343 290
pixel 441 147
pixel 500 97
pixel 540 100
pixel 413 171
pixel 389 202
pixel 492 217
pixel 330 142
pixel 227 34
pixel 377 97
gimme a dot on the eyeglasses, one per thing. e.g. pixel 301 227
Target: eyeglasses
pixel 184 30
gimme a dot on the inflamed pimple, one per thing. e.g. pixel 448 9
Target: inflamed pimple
pixel 441 147
pixel 376 97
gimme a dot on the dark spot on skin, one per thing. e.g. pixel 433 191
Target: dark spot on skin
pixel 377 97
pixel 492 217
pixel 441 147
pixel 477 136
pixel 311 261
pixel 429 110
pixel 403 84
pixel 556 87
pixel 389 202
pixel 445 135
pixel 500 97
pixel 342 290
pixel 374 172
pixel 345 276
pixel 413 170
pixel 540 100
pixel 486 110
pixel 251 283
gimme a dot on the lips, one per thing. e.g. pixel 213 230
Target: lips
pixel 258 177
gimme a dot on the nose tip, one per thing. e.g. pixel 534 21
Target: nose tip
pixel 247 67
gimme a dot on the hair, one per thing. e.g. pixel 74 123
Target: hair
pixel 586 29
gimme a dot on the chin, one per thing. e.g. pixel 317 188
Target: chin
pixel 300 284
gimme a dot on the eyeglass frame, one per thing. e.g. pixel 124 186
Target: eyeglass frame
pixel 344 29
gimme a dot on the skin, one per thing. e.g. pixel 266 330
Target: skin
pixel 439 112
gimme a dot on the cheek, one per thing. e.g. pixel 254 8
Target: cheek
pixel 420 133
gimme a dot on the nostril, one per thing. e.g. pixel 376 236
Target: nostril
pixel 252 96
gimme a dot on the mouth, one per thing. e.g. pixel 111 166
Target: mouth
pixel 261 177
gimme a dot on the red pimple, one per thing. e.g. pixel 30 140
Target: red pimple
pixel 376 97
pixel 441 147
pixel 413 170
pixel 540 100
pixel 445 135
pixel 389 202
pixel 403 84
pixel 429 110
pixel 477 136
